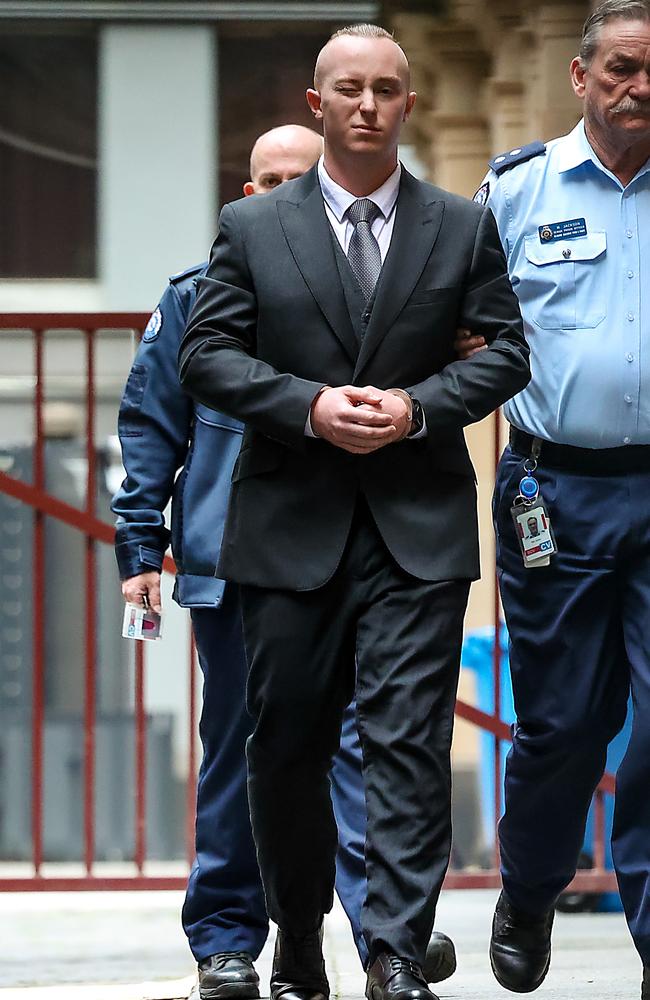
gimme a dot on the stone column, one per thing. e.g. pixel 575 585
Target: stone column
pixel 413 32
pixel 459 130
pixel 513 61
pixel 552 106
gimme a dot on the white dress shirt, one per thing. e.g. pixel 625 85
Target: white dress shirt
pixel 337 202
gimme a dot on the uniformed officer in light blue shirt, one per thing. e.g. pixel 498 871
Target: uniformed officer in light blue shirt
pixel 574 219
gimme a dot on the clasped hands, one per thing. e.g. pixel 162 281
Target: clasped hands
pixel 362 420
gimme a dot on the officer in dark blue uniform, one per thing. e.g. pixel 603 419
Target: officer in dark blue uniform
pixel 161 431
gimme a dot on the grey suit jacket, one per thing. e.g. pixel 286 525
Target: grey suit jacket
pixel 270 327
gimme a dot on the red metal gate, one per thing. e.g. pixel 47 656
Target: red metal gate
pixel 97 532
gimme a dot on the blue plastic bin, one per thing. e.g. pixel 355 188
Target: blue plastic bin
pixel 477 655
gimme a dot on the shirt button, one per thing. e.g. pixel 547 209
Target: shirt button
pixel 628 399
pixel 629 234
pixel 630 274
pixel 626 440
pixel 630 316
pixel 629 357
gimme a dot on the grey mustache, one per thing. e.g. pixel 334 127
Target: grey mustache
pixel 629 105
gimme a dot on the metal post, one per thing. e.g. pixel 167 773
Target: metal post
pixel 38 686
pixel 91 615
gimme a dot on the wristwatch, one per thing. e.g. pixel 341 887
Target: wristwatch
pixel 417 417
pixel 416 413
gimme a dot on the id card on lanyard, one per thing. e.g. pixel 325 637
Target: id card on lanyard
pixel 531 519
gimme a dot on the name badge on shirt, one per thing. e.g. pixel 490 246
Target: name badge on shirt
pixel 569 230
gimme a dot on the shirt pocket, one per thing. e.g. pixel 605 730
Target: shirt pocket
pixel 569 291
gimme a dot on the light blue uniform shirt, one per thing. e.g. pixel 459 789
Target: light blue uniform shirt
pixel 585 299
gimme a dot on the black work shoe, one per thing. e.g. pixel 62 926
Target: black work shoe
pixel 298 967
pixel 393 978
pixel 440 960
pixel 645 985
pixel 228 974
pixel 520 947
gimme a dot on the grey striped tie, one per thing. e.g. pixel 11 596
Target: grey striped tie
pixel 363 251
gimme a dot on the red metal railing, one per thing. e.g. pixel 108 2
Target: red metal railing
pixel 85 520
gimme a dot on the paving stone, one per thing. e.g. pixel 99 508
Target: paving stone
pixel 130 946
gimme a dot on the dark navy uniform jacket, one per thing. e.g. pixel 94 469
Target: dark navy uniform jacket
pixel 163 431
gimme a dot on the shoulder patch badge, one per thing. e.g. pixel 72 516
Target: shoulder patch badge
pixel 482 194
pixel 152 328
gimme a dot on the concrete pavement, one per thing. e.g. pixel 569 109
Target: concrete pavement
pixel 130 946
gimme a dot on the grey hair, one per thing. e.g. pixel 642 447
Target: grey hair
pixel 609 10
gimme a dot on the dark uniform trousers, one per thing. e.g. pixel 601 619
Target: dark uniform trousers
pixel 224 907
pixel 580 640
pixel 404 636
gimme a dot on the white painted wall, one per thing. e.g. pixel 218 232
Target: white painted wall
pixel 157 150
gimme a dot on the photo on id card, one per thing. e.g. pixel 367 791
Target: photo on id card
pixel 534 532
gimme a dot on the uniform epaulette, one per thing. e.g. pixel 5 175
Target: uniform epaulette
pixel 190 272
pixel 504 161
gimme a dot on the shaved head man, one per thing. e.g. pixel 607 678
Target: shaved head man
pixel 224 914
pixel 326 323
pixel 362 96
pixel 280 155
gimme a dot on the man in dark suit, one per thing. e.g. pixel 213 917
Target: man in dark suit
pixel 326 323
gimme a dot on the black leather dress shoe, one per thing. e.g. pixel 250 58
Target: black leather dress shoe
pixel 645 985
pixel 520 947
pixel 440 960
pixel 298 968
pixel 228 974
pixel 393 978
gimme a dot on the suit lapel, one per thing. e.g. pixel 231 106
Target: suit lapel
pixel 309 236
pixel 417 224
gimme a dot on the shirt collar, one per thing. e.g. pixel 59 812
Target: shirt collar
pixel 339 200
pixel 576 149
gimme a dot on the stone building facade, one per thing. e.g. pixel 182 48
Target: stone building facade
pixel 490 76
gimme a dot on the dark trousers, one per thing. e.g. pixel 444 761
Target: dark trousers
pixel 579 640
pixel 224 907
pixel 405 635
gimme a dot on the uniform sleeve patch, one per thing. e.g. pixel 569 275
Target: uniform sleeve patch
pixel 153 327
pixel 482 194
